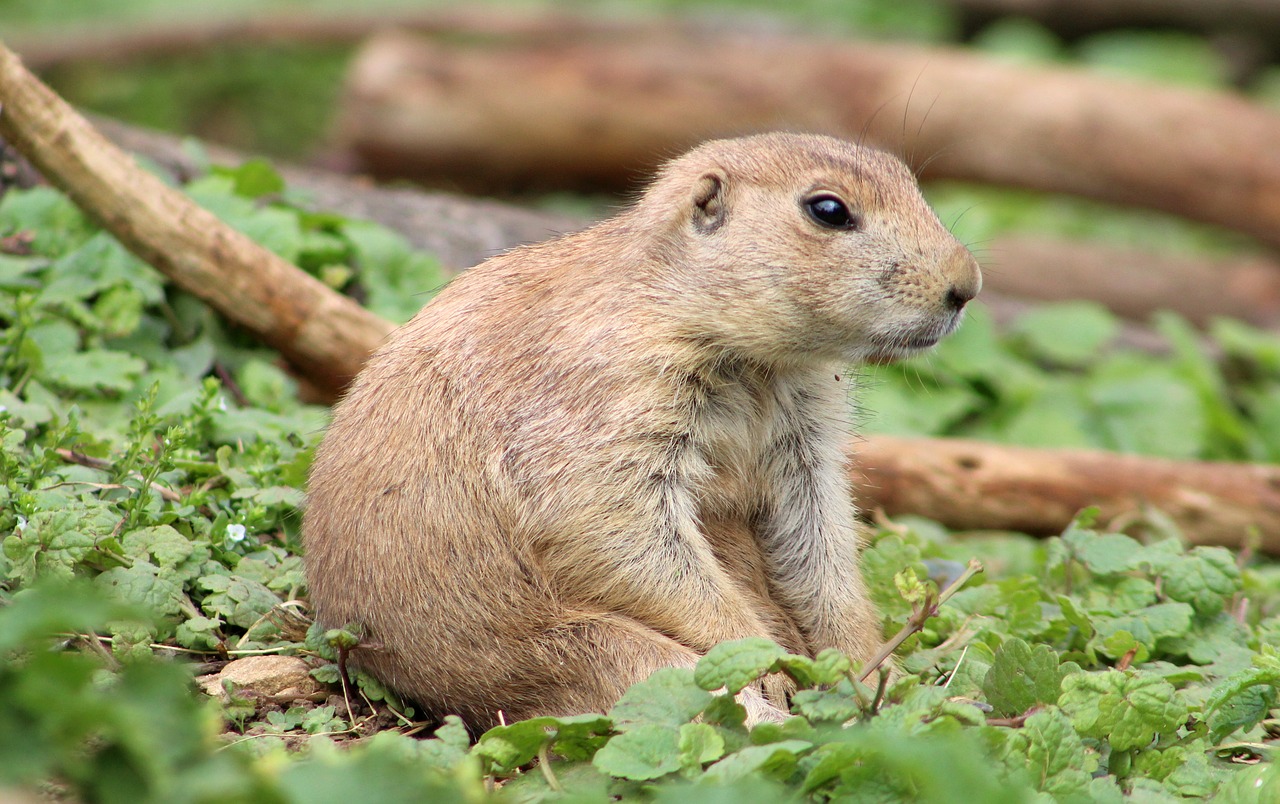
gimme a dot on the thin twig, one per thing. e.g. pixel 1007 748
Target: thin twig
pixel 79 458
pixel 952 675
pixel 1013 722
pixel 346 681
pixel 881 686
pixel 918 618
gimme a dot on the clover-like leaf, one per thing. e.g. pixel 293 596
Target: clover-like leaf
pixel 1241 701
pixel 146 584
pixel 776 760
pixel 1022 676
pixel 1052 752
pixel 1127 709
pixel 699 743
pixel 833 704
pixel 508 747
pixel 94 369
pixel 1205 577
pixel 734 665
pixel 238 600
pixel 162 543
pixel 646 751
pixel 1111 554
pixel 668 698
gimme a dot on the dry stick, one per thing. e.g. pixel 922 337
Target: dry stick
pixel 918 618
pixel 325 335
pixel 71 456
pixel 596 112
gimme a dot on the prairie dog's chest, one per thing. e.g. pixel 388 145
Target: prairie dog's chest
pixel 739 427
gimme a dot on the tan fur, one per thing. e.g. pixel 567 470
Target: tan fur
pixel 591 458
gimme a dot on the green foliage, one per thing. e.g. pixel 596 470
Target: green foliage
pixel 1057 380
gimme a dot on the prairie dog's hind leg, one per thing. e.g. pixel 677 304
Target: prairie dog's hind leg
pixel 586 662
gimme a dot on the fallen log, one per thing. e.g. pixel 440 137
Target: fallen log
pixel 603 113
pixel 1134 283
pixel 325 335
pixel 972 485
pixel 961 484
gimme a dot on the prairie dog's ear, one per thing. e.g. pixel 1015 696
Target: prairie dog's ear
pixel 709 203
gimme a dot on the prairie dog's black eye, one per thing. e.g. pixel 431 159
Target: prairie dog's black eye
pixel 831 212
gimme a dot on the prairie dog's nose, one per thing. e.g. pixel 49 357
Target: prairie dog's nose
pixel 966 281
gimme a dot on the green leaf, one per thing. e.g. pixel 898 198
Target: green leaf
pixel 1242 701
pixel 832 704
pixel 646 751
pixel 100 264
pixel 1184 770
pixel 1111 554
pixel 668 698
pixel 162 543
pixel 1022 676
pixel 238 600
pixel 1067 333
pixel 1127 709
pixel 1148 625
pixel 510 746
pixel 775 760
pixel 827 668
pixel 699 744
pixel 59 226
pixel 93 370
pixel 1205 577
pixel 254 178
pixel 1050 750
pixel 734 665
pixel 55 543
pixel 145 584
pixel 399 280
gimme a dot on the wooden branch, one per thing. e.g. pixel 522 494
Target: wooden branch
pixel 975 485
pixel 597 113
pixel 324 334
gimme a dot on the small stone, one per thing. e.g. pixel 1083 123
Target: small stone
pixel 268 676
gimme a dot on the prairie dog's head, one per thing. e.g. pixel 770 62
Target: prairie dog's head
pixel 810 247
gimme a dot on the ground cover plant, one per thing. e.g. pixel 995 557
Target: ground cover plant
pixel 149 499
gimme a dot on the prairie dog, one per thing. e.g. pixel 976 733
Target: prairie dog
pixel 591 458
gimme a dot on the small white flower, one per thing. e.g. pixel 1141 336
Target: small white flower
pixel 235 533
pixel 222 403
pixel 22 524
